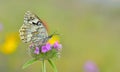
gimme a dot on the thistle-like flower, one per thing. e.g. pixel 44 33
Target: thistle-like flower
pixel 41 46
pixel 10 44
pixel 48 50
pixel 1 27
pixel 90 66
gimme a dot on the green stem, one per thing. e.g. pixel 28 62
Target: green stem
pixel 53 65
pixel 43 66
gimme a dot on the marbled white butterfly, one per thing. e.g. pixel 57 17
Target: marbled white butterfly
pixel 33 29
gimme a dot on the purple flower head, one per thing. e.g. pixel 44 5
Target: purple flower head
pixel 57 46
pixel 90 66
pixel 46 48
pixel 36 50
pixel 1 27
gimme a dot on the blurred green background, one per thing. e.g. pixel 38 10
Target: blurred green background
pixel 90 30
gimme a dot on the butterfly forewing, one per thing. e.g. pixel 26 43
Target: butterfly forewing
pixel 33 29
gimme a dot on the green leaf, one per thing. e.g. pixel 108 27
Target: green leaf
pixel 29 62
pixel 53 65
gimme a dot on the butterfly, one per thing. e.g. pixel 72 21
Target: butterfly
pixel 33 30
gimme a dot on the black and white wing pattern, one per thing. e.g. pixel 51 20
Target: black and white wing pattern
pixel 33 29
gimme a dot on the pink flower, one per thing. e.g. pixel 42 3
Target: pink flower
pixel 90 66
pixel 57 46
pixel 1 27
pixel 37 51
pixel 46 48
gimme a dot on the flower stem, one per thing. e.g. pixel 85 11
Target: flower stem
pixel 53 65
pixel 43 66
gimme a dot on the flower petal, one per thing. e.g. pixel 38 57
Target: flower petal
pixel 90 66
pixel 57 46
pixel 44 49
pixel 37 50
pixel 53 39
pixel 48 46
pixel 1 27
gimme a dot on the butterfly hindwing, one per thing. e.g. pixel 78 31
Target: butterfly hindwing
pixel 33 29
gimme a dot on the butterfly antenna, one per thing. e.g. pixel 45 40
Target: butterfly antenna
pixel 54 34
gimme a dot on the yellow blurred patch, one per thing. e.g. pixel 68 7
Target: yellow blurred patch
pixel 53 39
pixel 10 44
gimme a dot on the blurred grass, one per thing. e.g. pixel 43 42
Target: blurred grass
pixel 90 32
